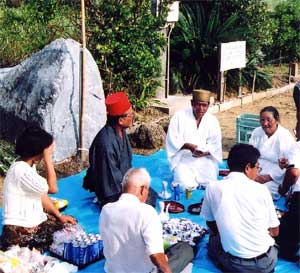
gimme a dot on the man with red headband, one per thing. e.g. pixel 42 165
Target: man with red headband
pixel 110 154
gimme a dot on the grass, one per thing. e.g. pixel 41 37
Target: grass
pixel 271 69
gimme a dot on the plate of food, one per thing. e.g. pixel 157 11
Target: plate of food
pixel 223 172
pixel 174 206
pixel 60 204
pixel 195 208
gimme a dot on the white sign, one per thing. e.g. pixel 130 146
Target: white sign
pixel 173 14
pixel 233 55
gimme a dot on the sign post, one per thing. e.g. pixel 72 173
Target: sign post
pixel 232 55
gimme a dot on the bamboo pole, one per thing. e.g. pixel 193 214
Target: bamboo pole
pixel 83 150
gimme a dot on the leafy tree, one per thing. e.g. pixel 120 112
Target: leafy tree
pixel 202 26
pixel 255 16
pixel 287 38
pixel 122 35
pixel 126 42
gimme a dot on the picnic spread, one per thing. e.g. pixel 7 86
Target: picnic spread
pixel 185 224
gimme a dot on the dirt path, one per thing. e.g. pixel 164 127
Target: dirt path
pixel 283 102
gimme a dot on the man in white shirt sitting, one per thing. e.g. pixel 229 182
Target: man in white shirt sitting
pixel 241 216
pixel 131 230
pixel 194 143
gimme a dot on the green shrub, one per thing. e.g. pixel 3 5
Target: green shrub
pixel 286 43
pixel 127 45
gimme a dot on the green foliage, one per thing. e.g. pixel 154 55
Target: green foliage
pixel 205 24
pixel 254 15
pixel 194 45
pixel 31 25
pixel 263 79
pixel 287 38
pixel 127 45
pixel 122 35
pixel 7 156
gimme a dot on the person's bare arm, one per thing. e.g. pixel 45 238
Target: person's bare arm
pixel 274 232
pixel 49 206
pixel 290 178
pixel 262 179
pixel 49 168
pixel 160 260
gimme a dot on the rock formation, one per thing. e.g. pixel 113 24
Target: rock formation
pixel 44 90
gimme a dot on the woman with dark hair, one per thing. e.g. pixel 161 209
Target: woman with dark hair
pixel 29 215
pixel 274 143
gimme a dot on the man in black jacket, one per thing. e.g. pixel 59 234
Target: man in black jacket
pixel 110 154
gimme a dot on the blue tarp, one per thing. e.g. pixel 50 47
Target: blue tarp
pixel 87 213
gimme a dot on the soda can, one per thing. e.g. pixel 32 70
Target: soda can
pixel 67 255
pixel 83 254
pixel 96 248
pixel 75 253
pixel 100 246
pixel 176 187
pixel 188 193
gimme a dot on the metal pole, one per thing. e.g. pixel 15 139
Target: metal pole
pixel 83 150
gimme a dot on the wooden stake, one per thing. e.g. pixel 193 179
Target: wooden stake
pixel 83 150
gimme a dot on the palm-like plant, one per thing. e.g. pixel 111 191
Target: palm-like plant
pixel 194 45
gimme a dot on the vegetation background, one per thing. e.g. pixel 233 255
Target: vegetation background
pixel 126 38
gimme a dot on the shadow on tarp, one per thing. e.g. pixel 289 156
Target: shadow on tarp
pixel 87 213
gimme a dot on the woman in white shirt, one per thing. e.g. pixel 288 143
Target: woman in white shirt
pixel 29 215
pixel 274 143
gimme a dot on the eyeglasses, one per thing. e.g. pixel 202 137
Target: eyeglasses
pixel 259 169
pixel 129 115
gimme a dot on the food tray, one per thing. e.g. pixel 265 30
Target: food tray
pixel 223 172
pixel 195 208
pixel 80 266
pixel 60 204
pixel 174 207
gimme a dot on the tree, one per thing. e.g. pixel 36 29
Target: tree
pixel 287 38
pixel 125 39
pixel 123 36
pixel 202 26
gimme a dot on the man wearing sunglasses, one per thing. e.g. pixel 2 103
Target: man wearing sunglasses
pixel 194 143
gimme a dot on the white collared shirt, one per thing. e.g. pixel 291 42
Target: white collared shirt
pixel 131 232
pixel 244 211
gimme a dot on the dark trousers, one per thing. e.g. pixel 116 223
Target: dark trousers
pixel 289 230
pixel 296 96
pixel 227 263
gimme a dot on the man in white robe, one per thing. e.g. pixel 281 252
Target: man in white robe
pixel 194 143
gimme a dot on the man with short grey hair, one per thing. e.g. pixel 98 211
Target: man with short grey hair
pixel 131 230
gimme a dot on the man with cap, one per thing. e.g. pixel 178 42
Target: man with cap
pixel 110 154
pixel 194 143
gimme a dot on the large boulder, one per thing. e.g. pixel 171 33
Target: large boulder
pixel 147 135
pixel 44 90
